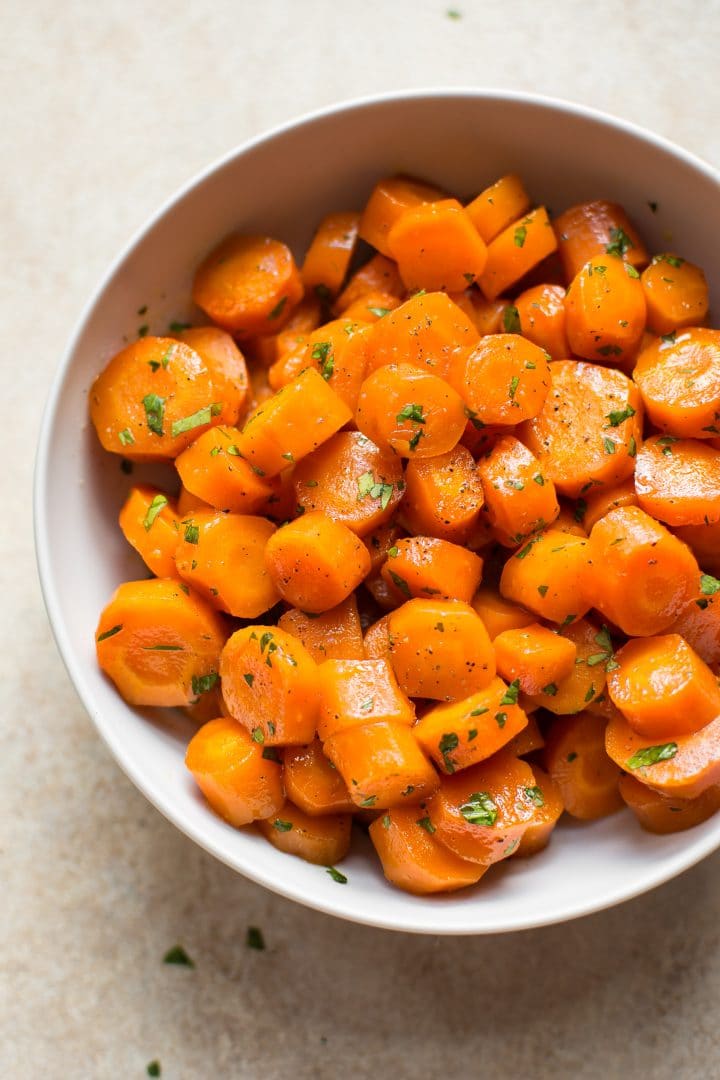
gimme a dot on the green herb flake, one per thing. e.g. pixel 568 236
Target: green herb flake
pixel 519 236
pixel 126 437
pixel 571 756
pixel 501 718
pixel 203 684
pixel 153 1068
pixel 447 744
pixel 367 705
pixel 632 447
pixel 510 697
pixel 620 242
pixel 511 320
pixel 322 351
pixel 249 679
pixel 278 309
pixel 480 809
pixel 426 824
pixel 580 510
pixel 202 416
pixel 192 533
pixel 178 327
pixel 158 503
pixel 542 589
pixel 411 412
pixel 709 585
pixel 551 689
pixel 254 938
pixel 154 406
pixel 400 583
pixel 535 795
pixel 380 312
pixel 393 552
pixel 110 633
pixel 282 826
pixel 609 445
pixel 539 479
pixel 650 755
pixel 163 648
pixel 336 875
pixel 386 821
pixel 258 735
pixel 370 800
pixel 618 416
pixel 631 271
pixel 177 955
pixel 271 754
pixel 514 383
pixel 591 693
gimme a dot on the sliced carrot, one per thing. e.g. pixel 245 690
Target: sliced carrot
pixel 549 806
pixel 571 521
pixel 684 766
pixel 576 759
pixel 498 614
pixel 187 503
pixel 503 380
pixel 371 306
pixel 357 692
pixel 443 495
pixel 678 480
pixel 597 228
pixel 320 839
pixel 159 644
pixel 535 656
pixel 389 199
pixel 605 310
pixel 519 500
pixel 427 331
pixel 676 294
pixel 543 575
pixel 378 275
pixel 699 621
pixel 413 860
pixel 328 257
pixel 487 316
pixel 332 635
pixel 599 501
pixel 541 317
pixel 664 814
pixel 379 542
pixel 679 379
pixel 585 684
pixel 498 206
pixel 528 740
pixel 425 566
pixel 222 357
pixel 213 469
pixel 704 541
pixel 382 764
pixel 311 782
pixel 149 522
pixel 410 412
pixel 436 246
pixel 237 779
pixel 516 250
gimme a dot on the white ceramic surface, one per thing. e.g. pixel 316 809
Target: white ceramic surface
pixel 282 184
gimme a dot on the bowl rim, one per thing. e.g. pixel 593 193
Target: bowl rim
pixel 425 924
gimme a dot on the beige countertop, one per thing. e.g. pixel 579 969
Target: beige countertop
pixel 107 108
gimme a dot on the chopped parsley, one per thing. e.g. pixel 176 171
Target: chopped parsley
pixel 203 684
pixel 709 585
pixel 519 236
pixel 197 419
pixel 110 633
pixel 158 503
pixel 480 809
pixel 126 437
pixel 282 826
pixel 278 309
pixel 249 679
pixel 535 795
pixel 426 824
pixel 154 406
pixel 254 938
pixel 620 242
pixel 322 351
pixel 177 955
pixel 510 697
pixel 618 416
pixel 192 533
pixel 336 875
pixel 447 744
pixel 511 320
pixel 650 755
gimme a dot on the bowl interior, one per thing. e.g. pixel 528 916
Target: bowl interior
pixel 282 185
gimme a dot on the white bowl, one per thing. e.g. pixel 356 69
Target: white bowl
pixel 281 184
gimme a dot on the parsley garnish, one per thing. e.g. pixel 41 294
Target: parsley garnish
pixel 400 583
pixel 336 875
pixel 447 744
pixel 158 503
pixel 426 824
pixel 650 755
pixel 709 585
pixel 202 416
pixel 510 697
pixel 126 437
pixel 153 1068
pixel 535 795
pixel 519 235
pixel 322 351
pixel 379 311
pixel 110 633
pixel 605 657
pixel 154 412
pixel 480 809
pixel 192 533
pixel 177 955
pixel 617 417
pixel 249 679
pixel 254 938
pixel 514 382
pixel 282 826
pixel 511 320
pixel 278 309
pixel 202 684
pixel 620 242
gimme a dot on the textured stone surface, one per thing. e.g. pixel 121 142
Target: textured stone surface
pixel 107 108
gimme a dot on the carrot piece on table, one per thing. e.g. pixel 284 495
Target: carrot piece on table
pixel 411 412
pixel 223 358
pixel 413 860
pixel 462 733
pixel 543 576
pixel 293 423
pixel 159 644
pixel 443 495
pixel 239 782
pixel 589 429
pixel 585 684
pixel 211 546
pixel 213 469
pixel 541 315
pixel 516 250
pixel 427 331
pixel 351 480
pixel 155 396
pixel 498 614
pixel 382 764
pixel 498 206
pixel 599 501
pixel 578 764
pixel 312 784
pixel 637 574
pixel 389 199
pixel 332 635
pixel 679 379
pixel 597 228
pixel 676 294
pixel 482 812
pixel 699 621
pixel 328 257
pixel 663 688
pixel 664 814
pixel 357 692
pixel 678 480
pixel 248 285
pixel 440 649
pixel 527 740
pixel 503 380
pixel 436 246
pixel 149 522
pixel 605 310
pixel 537 657
pixel 320 839
pixel 547 798
pixel 378 275
pixel 315 562
pixel 684 766
pixel 377 640
pixel 519 500
pixel 269 684
pixel 425 566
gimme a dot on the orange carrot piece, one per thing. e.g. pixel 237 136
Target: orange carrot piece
pixel 498 614
pixel 331 635
pixel 704 541
pixel 498 206
pixel 699 621
pixel 665 814
pixel 605 310
pixel 519 500
pixel 678 480
pixel 377 640
pixel 382 764
pixel 425 566
pixel 378 275
pixel 389 199
pixel 503 380
pixel 535 656
pixel 597 228
pixel 213 469
pixel 311 782
pixel 328 257
pixel 547 798
pixel 413 860
pixel 528 740
pixel 427 331
pixel 187 503
pixel 543 576
pixel 516 250
pixel 679 379
pixel 371 307
pixel 585 684
pixel 676 294
pixel 222 357
pixel 577 762
pixel 541 315
pixel 357 692
pixel 443 495
pixel 320 839
pixel 683 767
pixel 149 522
pixel 599 501
pixel 436 246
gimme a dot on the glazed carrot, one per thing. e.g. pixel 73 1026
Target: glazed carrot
pixel 597 228
pixel 266 349
pixel 599 501
pixel 357 692
pixel 379 542
pixel 389 199
pixel 440 649
pixel 315 562
pixel 159 644
pixel 676 294
pixel 206 706
pixel 481 537
pixel 638 574
pixel 578 764
pixel 466 732
pixel 351 480
pixel 664 814
pixel 605 310
pixel 586 682
pixel 378 275
pixel 424 566
pixel 269 684
pixel 516 250
pixel 413 860
pixel 704 542
pixel 328 257
pixel 519 500
pixel 498 614
pixel 543 576
pixel 371 307
pixel 382 764
pixel 187 503
pixel 427 331
pixel 149 523
pixel 503 380
pixel 682 767
pixel 411 412
pixel 293 423
pixel 481 813
pixel 699 621
pixel 436 246
pixel 589 428
pixel 248 285
pixel 281 504
pixel 678 480
pixel 311 782
pixel 210 547
pixel 498 206
pixel 239 782
pixel 222 358
pixel 535 656
pixel 487 316
pixel 539 315
pixel 663 688
pixel 443 495
pixel 213 469
pixel 154 397
pixel 323 840
pixel 679 379
pixel 377 640
pixel 527 740
pixel 259 389
pixel 332 635
pixel 547 798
